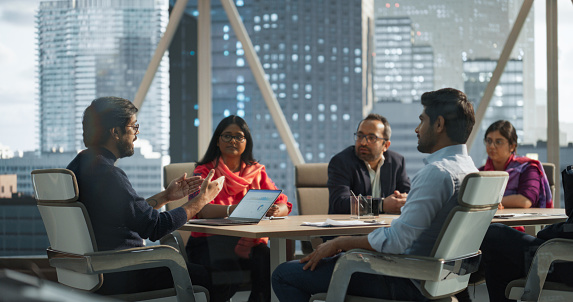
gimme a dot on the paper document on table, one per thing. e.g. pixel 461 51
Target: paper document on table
pixel 336 223
pixel 518 215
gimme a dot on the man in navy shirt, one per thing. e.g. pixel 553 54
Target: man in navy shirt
pixel 120 218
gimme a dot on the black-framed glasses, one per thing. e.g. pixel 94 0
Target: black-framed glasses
pixel 135 127
pixel 497 143
pixel 370 138
pixel 227 138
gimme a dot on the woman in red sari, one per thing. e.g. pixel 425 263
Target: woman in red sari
pixel 230 154
pixel 527 185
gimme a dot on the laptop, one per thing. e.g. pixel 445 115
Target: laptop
pixel 250 210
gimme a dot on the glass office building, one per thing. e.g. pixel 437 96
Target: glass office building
pixel 89 49
pixel 459 31
pixel 403 70
pixel 506 102
pixel 317 56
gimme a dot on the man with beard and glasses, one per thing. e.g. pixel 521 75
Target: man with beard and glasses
pixel 445 125
pixel 120 218
pixel 368 168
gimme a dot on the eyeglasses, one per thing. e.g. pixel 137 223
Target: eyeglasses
pixel 370 138
pixel 497 143
pixel 135 127
pixel 227 138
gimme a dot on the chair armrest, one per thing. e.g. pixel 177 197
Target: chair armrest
pixel 175 240
pixel 403 266
pixel 127 260
pixel 550 251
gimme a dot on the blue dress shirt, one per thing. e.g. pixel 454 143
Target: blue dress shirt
pixel 433 194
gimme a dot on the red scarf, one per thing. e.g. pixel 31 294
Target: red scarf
pixel 248 176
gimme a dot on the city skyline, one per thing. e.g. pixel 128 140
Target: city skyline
pixel 18 91
pixel 87 50
pixel 318 68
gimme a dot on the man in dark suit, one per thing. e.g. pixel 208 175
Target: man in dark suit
pixel 368 168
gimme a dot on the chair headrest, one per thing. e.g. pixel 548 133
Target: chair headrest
pixel 55 186
pixel 483 189
pixel 175 170
pixel 311 175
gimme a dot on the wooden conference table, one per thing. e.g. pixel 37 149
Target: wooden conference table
pixel 278 231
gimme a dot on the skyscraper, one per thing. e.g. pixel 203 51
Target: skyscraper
pixel 456 32
pixel 462 30
pixel 317 56
pixel 183 91
pixel 403 70
pixel 89 49
pixel 506 102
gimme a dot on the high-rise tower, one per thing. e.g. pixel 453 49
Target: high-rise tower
pixel 452 34
pixel 317 56
pixel 89 49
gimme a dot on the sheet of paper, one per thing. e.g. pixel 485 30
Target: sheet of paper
pixel 331 223
pixel 518 215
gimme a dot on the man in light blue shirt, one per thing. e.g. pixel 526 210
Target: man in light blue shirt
pixel 445 125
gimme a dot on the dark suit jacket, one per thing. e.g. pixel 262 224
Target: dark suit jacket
pixel 347 172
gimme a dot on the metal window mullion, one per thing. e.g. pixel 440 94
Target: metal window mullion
pixel 262 82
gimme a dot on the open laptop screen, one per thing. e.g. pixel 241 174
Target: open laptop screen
pixel 255 204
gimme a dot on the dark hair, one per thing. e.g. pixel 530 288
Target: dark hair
pixel 377 117
pixel 506 129
pixel 213 152
pixel 454 107
pixel 104 114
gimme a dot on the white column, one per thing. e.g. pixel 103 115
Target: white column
pixel 204 71
pixel 553 96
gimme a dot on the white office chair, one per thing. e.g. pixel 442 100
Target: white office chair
pixel 74 253
pixel 455 254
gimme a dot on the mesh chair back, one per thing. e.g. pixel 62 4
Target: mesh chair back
pixel 66 221
pixel 311 189
pixel 466 225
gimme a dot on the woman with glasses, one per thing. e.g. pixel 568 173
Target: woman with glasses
pixel 230 154
pixel 528 185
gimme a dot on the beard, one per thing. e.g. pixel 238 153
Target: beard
pixel 427 142
pixel 366 157
pixel 125 148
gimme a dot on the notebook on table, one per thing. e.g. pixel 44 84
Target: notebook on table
pixel 250 210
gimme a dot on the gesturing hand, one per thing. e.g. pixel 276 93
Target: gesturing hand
pixel 182 186
pixel 210 189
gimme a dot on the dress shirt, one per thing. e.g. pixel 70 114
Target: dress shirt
pixel 375 177
pixel 433 194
